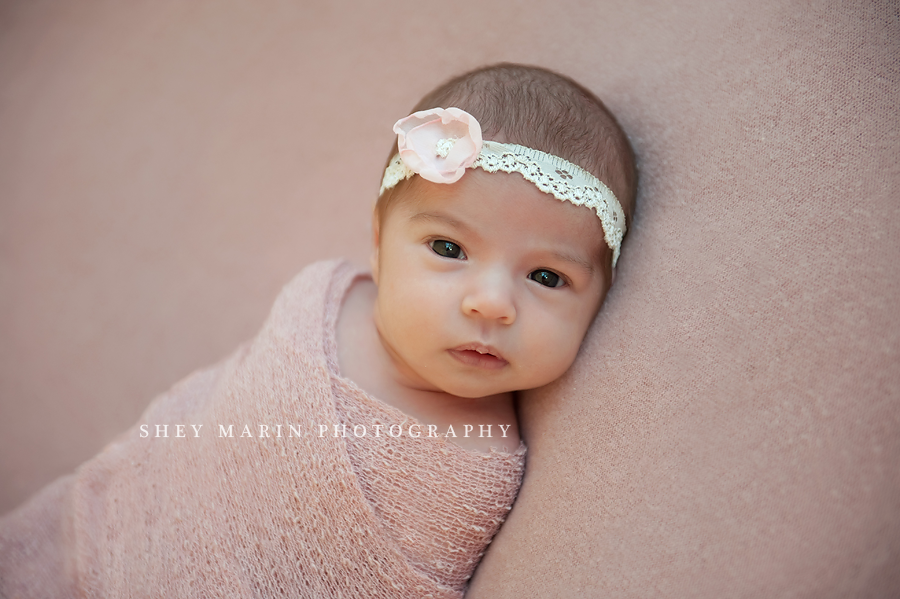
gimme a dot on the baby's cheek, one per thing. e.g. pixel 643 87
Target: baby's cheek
pixel 558 351
pixel 413 314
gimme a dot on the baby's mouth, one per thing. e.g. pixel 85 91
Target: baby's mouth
pixel 479 355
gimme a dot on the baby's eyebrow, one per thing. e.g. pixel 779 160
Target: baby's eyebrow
pixel 574 259
pixel 440 217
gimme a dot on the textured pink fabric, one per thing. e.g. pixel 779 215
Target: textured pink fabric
pixel 278 513
pixel 731 426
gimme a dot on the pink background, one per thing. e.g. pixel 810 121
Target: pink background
pixel 732 426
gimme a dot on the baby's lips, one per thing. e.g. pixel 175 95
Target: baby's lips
pixel 481 348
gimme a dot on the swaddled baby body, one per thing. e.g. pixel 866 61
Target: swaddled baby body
pixel 397 453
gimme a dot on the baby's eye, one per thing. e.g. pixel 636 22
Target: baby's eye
pixel 546 278
pixel 447 249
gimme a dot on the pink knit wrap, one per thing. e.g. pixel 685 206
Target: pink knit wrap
pixel 299 516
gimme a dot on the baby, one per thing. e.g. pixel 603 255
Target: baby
pixel 496 234
pixel 483 281
pixel 377 449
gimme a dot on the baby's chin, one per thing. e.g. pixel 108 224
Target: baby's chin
pixel 484 388
pixel 480 383
pixel 477 391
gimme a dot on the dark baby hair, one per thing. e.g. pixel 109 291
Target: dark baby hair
pixel 540 109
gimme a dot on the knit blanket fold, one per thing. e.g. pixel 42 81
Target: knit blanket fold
pixel 200 513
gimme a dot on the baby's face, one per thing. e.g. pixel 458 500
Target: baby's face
pixel 487 285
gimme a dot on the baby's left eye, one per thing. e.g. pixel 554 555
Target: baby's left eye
pixel 546 278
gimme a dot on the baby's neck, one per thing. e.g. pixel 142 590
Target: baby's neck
pixel 363 359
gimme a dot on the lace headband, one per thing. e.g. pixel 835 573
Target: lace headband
pixel 439 145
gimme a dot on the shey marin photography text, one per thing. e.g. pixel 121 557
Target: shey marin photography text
pixel 243 431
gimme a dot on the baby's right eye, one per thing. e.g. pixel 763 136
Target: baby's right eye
pixel 447 249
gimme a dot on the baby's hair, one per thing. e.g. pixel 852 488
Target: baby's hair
pixel 540 109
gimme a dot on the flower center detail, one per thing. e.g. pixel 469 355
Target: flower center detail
pixel 443 146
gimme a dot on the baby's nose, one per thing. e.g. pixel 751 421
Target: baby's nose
pixel 491 297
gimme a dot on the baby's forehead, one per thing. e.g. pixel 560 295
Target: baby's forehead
pixel 496 205
pixel 517 186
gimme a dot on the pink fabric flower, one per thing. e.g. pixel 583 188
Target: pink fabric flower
pixel 439 144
